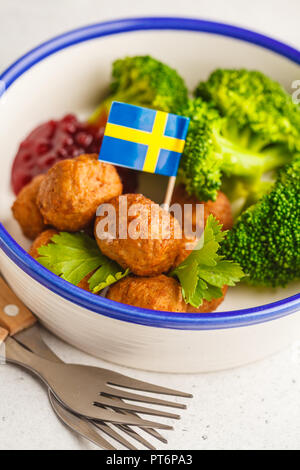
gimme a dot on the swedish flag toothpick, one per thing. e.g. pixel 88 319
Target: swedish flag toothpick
pixel 144 139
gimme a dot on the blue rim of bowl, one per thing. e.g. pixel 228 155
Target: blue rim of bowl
pixel 100 305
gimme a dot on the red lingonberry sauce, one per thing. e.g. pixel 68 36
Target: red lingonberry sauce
pixel 57 140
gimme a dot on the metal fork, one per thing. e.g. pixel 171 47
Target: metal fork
pixel 79 424
pixel 66 379
pixel 24 319
pixel 32 339
pixel 77 387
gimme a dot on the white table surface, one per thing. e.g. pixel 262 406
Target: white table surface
pixel 254 407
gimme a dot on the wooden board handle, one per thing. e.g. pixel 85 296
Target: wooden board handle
pixel 14 315
pixel 3 335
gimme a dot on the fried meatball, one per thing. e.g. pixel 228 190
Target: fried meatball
pixel 220 209
pixel 42 240
pixel 187 246
pixel 83 284
pixel 146 239
pixel 156 293
pixel 25 209
pixel 73 189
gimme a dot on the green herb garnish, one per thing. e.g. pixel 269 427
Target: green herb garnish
pixel 203 273
pixel 73 256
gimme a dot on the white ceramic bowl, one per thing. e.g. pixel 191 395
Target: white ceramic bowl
pixel 68 74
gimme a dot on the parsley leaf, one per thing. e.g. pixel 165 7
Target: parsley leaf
pixel 73 256
pixel 188 279
pixel 203 273
pixel 107 274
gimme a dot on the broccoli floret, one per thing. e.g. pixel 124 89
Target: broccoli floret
pixel 258 131
pixel 266 237
pixel 259 112
pixel 243 192
pixel 210 154
pixel 144 81
pixel 200 163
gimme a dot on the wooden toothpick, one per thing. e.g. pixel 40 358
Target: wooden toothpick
pixel 169 192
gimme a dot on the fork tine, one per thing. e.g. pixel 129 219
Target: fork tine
pixel 121 405
pixel 156 434
pixel 100 414
pixel 118 393
pixel 136 436
pixel 115 435
pixel 79 425
pixel 133 434
pixel 120 380
pixel 151 432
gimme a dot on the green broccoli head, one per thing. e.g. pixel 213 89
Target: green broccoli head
pixel 200 166
pixel 145 81
pixel 259 112
pixel 266 237
pixel 210 155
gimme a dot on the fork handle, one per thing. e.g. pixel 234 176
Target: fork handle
pixel 14 315
pixel 15 353
pixel 32 339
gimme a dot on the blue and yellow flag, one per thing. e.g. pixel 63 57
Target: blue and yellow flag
pixel 143 139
